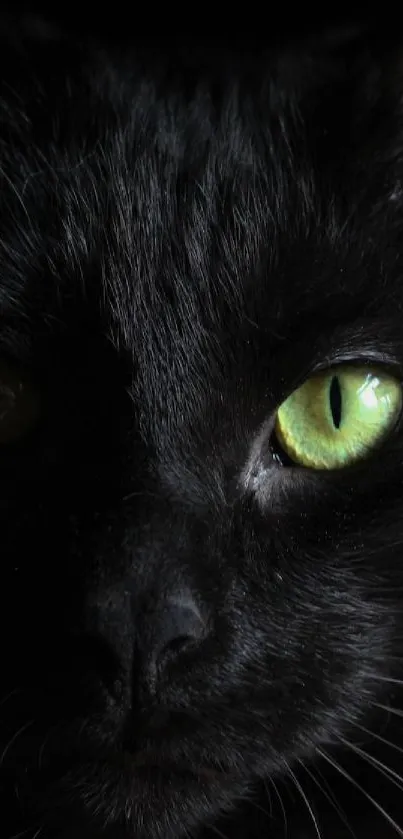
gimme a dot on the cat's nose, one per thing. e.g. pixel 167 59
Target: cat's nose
pixel 165 635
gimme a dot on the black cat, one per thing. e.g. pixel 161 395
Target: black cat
pixel 201 462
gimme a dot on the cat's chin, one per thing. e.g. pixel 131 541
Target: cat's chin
pixel 126 795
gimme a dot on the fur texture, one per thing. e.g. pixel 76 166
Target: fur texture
pixel 184 237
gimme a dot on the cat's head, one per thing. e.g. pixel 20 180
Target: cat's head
pixel 197 589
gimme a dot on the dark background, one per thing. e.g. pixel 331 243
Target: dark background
pixel 247 22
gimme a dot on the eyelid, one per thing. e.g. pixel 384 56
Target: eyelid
pixel 331 362
pixel 363 359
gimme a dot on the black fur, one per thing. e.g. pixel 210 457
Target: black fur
pixel 185 235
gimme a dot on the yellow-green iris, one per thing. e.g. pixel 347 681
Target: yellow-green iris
pixel 337 417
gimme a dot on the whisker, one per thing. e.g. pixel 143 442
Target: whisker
pixel 280 800
pixel 330 797
pixel 305 799
pixel 14 738
pixel 358 786
pixel 20 200
pixel 269 813
pixel 378 737
pixel 393 776
pixel 215 830
pixel 45 741
pixel 257 806
pixel 389 679
pixel 24 833
pixel 395 711
pixel 139 494
pixel 19 835
pixel 8 696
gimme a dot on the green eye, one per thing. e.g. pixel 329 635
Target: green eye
pixel 337 417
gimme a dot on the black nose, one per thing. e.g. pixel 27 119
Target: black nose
pixel 165 633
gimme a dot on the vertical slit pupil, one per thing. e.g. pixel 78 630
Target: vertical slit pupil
pixel 335 401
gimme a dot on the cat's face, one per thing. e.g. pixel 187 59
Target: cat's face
pixel 185 609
